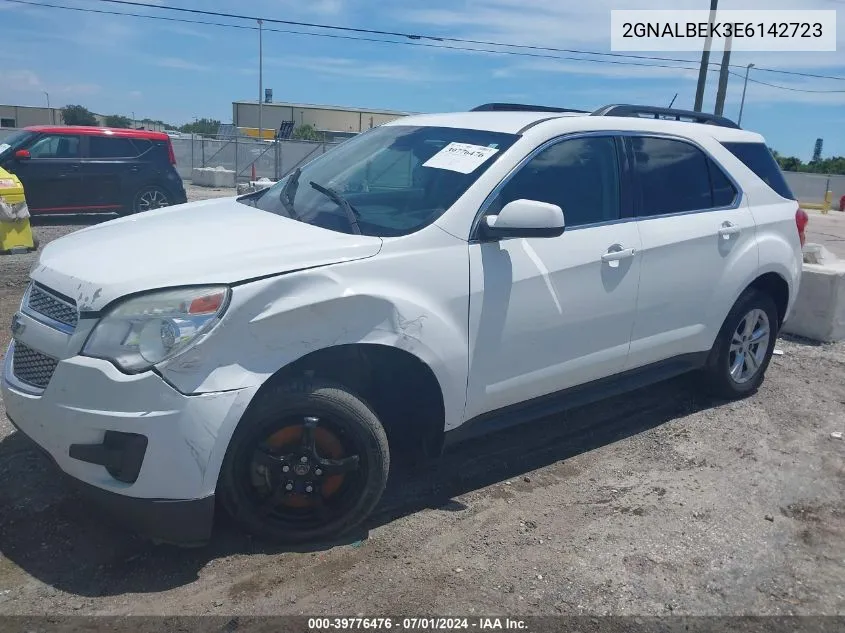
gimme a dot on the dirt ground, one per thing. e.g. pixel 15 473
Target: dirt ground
pixel 656 503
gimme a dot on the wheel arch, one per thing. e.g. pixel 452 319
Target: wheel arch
pixel 777 288
pixel 401 388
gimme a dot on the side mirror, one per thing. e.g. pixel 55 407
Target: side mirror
pixel 23 154
pixel 524 218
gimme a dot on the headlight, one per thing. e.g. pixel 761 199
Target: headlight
pixel 155 327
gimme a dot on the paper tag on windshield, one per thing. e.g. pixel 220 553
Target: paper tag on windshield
pixel 461 157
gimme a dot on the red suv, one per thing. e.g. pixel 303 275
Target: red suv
pixel 70 169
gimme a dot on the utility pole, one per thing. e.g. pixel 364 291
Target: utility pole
pixel 724 71
pixel 260 77
pixel 744 87
pixel 52 116
pixel 705 60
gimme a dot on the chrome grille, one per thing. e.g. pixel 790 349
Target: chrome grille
pixel 31 367
pixel 44 302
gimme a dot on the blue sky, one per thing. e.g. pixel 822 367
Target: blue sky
pixel 175 71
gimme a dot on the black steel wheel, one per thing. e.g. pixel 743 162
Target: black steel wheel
pixel 305 464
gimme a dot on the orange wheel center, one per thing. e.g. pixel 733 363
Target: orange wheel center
pixel 328 446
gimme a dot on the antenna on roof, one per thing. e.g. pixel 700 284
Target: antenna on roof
pixel 673 100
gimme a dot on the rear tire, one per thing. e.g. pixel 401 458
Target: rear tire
pixel 149 198
pixel 275 486
pixel 740 356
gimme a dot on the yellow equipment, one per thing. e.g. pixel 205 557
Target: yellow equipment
pixel 15 231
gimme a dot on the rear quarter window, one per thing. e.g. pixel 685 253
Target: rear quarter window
pixel 142 145
pixel 758 158
pixel 111 147
pixel 160 151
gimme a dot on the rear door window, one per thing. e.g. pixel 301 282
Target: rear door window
pixel 758 158
pixel 674 176
pixel 724 192
pixel 110 147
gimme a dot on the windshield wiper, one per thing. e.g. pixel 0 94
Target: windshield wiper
pixel 343 203
pixel 288 193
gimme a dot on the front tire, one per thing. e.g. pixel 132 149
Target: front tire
pixel 307 463
pixel 742 351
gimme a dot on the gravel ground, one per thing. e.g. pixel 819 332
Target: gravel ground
pixel 661 502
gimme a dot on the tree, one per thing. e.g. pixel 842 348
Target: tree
pixel 78 115
pixel 790 163
pixel 832 165
pixel 817 151
pixel 205 127
pixel 307 133
pixel 118 120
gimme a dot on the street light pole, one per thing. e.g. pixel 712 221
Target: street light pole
pixel 52 118
pixel 744 86
pixel 260 77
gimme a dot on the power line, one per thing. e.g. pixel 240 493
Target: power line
pixel 415 36
pixel 350 37
pixel 134 15
pixel 790 88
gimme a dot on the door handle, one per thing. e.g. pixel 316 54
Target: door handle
pixel 615 253
pixel 728 229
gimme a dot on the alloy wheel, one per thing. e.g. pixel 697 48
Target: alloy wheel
pixel 749 344
pixel 152 199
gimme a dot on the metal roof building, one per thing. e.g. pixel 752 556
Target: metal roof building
pixel 334 121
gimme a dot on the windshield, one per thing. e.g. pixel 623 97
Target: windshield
pixel 389 181
pixel 9 143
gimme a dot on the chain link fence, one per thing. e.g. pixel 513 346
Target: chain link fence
pixel 271 159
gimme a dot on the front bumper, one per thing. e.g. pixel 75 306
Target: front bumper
pixel 185 523
pixel 166 487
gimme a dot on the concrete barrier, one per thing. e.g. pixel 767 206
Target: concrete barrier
pixel 819 312
pixel 213 177
pixel 254 185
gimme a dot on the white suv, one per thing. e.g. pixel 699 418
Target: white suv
pixel 432 278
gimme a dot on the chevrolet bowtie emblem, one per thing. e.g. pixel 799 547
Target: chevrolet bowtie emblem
pixel 18 326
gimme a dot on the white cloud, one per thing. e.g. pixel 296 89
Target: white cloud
pixel 77 90
pixel 349 67
pixel 586 26
pixel 610 70
pixel 180 64
pixel 317 7
pixel 189 32
pixel 19 79
pixel 27 87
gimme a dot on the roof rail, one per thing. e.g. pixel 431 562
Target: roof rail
pixel 652 112
pixel 521 107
